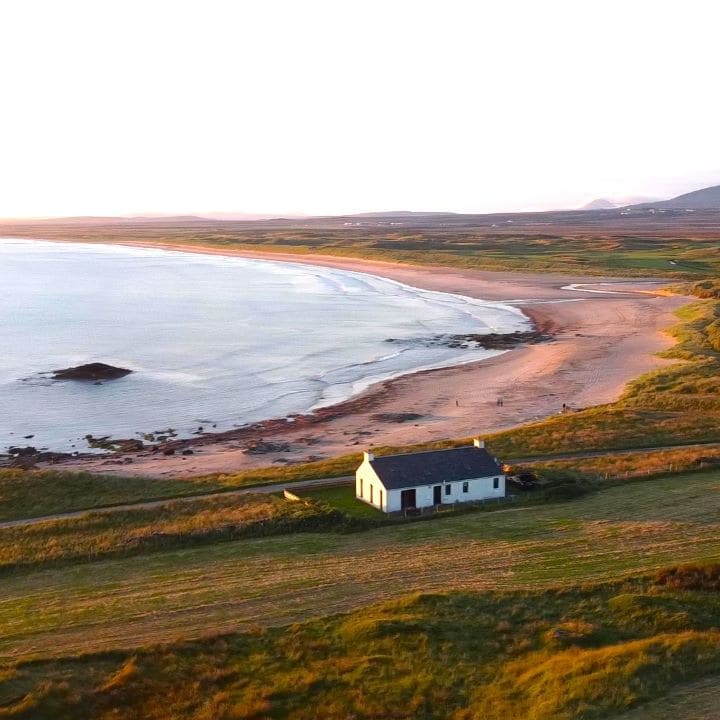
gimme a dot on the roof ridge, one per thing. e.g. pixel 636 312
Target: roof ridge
pixel 425 452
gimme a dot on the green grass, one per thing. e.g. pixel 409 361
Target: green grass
pixel 196 591
pixel 344 500
pixel 576 653
pixel 176 524
pixel 638 250
pixel 34 493
pixel 191 522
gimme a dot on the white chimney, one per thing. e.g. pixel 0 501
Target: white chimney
pixel 478 443
pixel 368 456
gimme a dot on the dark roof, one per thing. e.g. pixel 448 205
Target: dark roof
pixel 436 466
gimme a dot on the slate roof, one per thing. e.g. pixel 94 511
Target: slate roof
pixel 434 467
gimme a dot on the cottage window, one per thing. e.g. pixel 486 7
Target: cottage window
pixel 371 493
pixel 466 486
pixel 448 489
pixel 362 490
pixel 496 483
pixel 381 497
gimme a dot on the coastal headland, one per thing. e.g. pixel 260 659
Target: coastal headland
pixel 604 332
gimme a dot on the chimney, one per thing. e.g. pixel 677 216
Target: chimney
pixel 478 443
pixel 368 456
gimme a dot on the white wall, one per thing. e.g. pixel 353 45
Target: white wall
pixel 365 477
pixel 478 489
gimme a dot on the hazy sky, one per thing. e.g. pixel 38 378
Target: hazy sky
pixel 113 107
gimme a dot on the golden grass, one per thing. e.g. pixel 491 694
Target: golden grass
pixel 206 590
pixel 551 655
pixel 173 524
pixel 638 465
pixel 690 701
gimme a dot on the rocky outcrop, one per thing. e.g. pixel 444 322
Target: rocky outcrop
pixel 488 341
pixel 91 372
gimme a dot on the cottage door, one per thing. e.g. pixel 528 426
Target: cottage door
pixel 437 495
pixel 407 499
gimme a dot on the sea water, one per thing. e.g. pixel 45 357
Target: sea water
pixel 212 341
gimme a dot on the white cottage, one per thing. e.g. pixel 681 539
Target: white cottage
pixel 418 480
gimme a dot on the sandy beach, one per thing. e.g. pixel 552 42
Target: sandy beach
pixel 601 341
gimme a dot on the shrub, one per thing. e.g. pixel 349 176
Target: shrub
pixel 691 577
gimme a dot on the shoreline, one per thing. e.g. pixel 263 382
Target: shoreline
pixel 600 342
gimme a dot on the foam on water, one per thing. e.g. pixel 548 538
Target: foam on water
pixel 221 338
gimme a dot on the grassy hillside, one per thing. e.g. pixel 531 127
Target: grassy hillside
pixel 34 493
pixel 580 652
pixel 209 589
pixel 692 701
pixel 170 525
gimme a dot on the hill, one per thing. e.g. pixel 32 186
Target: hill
pixel 704 199
pixel 600 204
pixel 614 203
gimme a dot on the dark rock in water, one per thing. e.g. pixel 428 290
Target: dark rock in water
pixel 119 445
pixel 26 457
pixel 489 341
pixel 92 371
pixel 22 451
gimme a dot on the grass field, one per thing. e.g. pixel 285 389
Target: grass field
pixel 36 493
pixel 686 249
pixel 692 701
pixel 579 652
pixel 344 500
pixel 133 532
pixel 191 592
pixel 26 494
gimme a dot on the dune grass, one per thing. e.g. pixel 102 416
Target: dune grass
pixel 35 493
pixel 176 524
pixel 210 589
pixel 627 466
pixel 558 654
pixel 690 701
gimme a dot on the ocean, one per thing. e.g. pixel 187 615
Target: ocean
pixel 213 341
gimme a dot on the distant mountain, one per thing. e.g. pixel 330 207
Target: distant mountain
pixel 600 204
pixel 705 199
pixel 606 204
pixel 248 217
pixel 401 214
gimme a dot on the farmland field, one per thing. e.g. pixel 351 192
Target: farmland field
pixel 199 591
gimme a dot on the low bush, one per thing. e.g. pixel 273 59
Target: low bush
pixel 691 577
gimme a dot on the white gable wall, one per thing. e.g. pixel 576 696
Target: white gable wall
pixel 369 488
